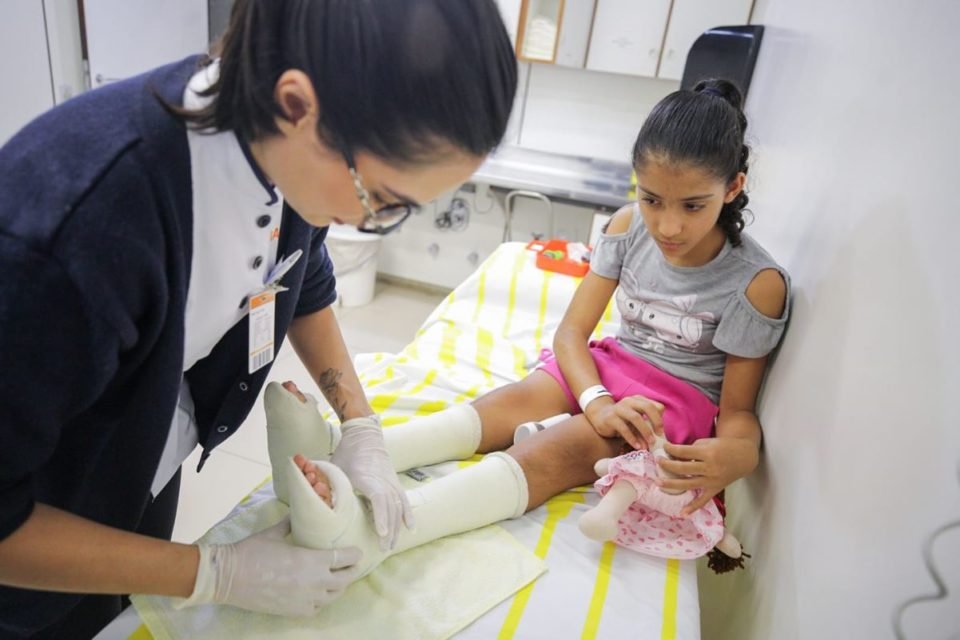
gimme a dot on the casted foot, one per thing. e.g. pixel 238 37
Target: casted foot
pixel 317 479
pixel 294 426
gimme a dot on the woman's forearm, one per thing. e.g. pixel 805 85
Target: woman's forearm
pixel 57 551
pixel 317 340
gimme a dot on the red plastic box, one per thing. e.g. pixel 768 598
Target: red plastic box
pixel 552 256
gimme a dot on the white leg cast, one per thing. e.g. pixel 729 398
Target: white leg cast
pixel 451 434
pixel 294 427
pixel 297 427
pixel 602 522
pixel 492 490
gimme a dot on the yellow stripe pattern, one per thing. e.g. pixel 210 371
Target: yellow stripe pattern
pixel 542 315
pixel 558 508
pixel 141 633
pixel 599 596
pixel 512 300
pixel 669 629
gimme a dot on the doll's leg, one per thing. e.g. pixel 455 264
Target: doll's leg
pixel 602 522
pixel 492 490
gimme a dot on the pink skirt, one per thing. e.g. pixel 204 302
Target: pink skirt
pixel 688 414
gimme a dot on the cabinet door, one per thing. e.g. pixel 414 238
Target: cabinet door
pixel 126 37
pixel 627 35
pixel 24 65
pixel 688 20
pixel 574 32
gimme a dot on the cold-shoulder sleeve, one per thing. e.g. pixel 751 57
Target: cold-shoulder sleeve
pixel 745 332
pixel 607 257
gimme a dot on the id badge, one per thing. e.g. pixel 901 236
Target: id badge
pixel 262 319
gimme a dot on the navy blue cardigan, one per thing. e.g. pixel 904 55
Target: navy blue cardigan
pixel 95 250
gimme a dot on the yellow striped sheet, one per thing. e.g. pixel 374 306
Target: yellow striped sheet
pixel 484 351
pixel 469 394
pixel 448 344
pixel 141 633
pixel 387 375
pixel 519 362
pixel 512 300
pixel 558 508
pixel 410 351
pixel 607 316
pixel 541 317
pixel 481 290
pixel 383 401
pixel 255 489
pixel 600 586
pixel 669 629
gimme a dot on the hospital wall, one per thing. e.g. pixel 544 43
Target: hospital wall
pixel 854 120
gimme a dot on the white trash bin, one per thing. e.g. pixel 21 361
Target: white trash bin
pixel 354 257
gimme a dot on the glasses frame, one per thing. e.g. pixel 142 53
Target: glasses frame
pixel 371 217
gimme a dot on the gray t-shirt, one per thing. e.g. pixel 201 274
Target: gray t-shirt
pixel 685 320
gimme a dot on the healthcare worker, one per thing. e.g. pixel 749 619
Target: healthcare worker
pixel 159 238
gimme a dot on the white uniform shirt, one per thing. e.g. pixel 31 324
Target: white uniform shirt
pixel 236 229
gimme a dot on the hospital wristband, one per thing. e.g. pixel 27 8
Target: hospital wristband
pixel 592 393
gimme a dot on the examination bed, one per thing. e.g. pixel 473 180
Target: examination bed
pixel 487 332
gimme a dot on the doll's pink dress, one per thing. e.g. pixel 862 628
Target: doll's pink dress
pixel 652 523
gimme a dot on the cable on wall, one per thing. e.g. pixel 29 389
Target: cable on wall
pixel 942 591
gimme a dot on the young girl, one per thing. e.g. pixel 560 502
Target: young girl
pixel 160 236
pixel 702 306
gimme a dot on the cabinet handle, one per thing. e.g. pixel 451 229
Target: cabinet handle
pixel 100 78
pixel 653 53
pixel 670 53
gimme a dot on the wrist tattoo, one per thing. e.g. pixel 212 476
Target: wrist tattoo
pixel 329 383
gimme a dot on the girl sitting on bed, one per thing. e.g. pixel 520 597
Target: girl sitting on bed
pixel 702 306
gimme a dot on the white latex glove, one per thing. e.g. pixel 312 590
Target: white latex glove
pixel 363 456
pixel 266 573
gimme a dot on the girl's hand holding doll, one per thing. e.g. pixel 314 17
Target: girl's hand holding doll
pixel 709 464
pixel 636 419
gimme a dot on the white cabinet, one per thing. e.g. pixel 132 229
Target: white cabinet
pixel 652 37
pixel 689 19
pixel 627 36
pixel 553 31
pixel 574 37
pixel 24 65
pixel 127 37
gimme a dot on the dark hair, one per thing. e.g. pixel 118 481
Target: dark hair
pixel 393 78
pixel 704 127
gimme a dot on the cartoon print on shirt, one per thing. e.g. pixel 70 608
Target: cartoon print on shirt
pixel 670 319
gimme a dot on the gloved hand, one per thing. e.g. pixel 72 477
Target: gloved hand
pixel 363 456
pixel 266 573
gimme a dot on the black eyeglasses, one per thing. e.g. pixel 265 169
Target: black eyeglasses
pixel 384 220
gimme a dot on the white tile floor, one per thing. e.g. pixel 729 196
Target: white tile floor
pixel 387 324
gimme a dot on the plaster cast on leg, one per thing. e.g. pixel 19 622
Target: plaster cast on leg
pixel 492 490
pixel 294 426
pixel 297 427
pixel 451 434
